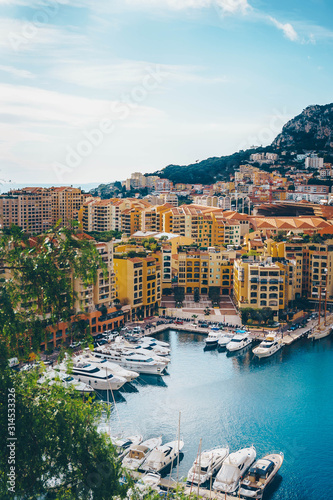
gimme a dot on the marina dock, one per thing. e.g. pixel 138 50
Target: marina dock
pixel 288 338
pixel 170 484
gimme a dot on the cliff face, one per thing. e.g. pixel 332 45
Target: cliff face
pixel 311 130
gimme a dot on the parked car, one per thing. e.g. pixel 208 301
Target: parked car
pixel 179 322
pixel 74 345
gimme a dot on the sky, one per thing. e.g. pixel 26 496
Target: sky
pixel 93 91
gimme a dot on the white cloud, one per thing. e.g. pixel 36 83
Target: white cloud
pixel 287 28
pixel 21 73
pixel 36 105
pixel 18 35
pixel 227 6
pixel 119 76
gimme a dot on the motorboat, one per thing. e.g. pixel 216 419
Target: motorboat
pixel 158 353
pixel 52 377
pixel 268 347
pixel 132 361
pixel 114 368
pixel 157 349
pixel 138 453
pixel 153 341
pixel 238 342
pixel 260 475
pixel 148 351
pixel 123 444
pixel 207 464
pixel 213 336
pixel 162 456
pixel 225 339
pixel 233 470
pixel 149 481
pixel 98 378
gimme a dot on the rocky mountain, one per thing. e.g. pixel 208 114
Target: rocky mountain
pixel 310 130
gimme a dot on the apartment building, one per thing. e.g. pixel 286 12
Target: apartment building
pixel 101 293
pixel 313 261
pixel 138 283
pixel 262 283
pixel 101 215
pixel 203 269
pixel 37 209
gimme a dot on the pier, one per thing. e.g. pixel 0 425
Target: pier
pixel 288 338
pixel 168 483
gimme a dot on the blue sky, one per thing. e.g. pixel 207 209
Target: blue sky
pixel 92 91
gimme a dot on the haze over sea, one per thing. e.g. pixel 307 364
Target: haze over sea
pixel 283 403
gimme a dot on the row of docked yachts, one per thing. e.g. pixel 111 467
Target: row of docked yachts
pixel 237 471
pixel 240 339
pixel 111 366
pixel 149 455
pixel 218 469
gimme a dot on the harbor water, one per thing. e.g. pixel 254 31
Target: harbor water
pixel 283 403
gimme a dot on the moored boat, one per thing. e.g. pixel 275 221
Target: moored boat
pixel 132 361
pixel 238 342
pixel 260 475
pixel 207 464
pixel 213 336
pixel 138 453
pixel 162 456
pixel 268 347
pixel 225 339
pixel 123 444
pixel 233 469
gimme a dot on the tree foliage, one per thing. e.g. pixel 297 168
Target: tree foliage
pixel 58 449
pixel 38 285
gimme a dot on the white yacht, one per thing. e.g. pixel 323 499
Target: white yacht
pixel 238 342
pixel 149 481
pixel 123 444
pixel 96 377
pixel 157 353
pixel 233 469
pixel 153 341
pixel 114 368
pixel 260 475
pixel 148 351
pixel 138 453
pixel 157 349
pixel 225 338
pixel 162 456
pixel 53 376
pixel 268 347
pixel 207 464
pixel 132 361
pixel 213 336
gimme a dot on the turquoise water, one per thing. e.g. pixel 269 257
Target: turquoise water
pixel 283 403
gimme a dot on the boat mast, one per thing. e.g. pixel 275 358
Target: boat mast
pixel 199 466
pixel 178 446
pixel 326 273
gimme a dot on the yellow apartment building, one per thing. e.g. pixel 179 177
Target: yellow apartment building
pixel 312 262
pixel 139 283
pixel 204 269
pixel 263 283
